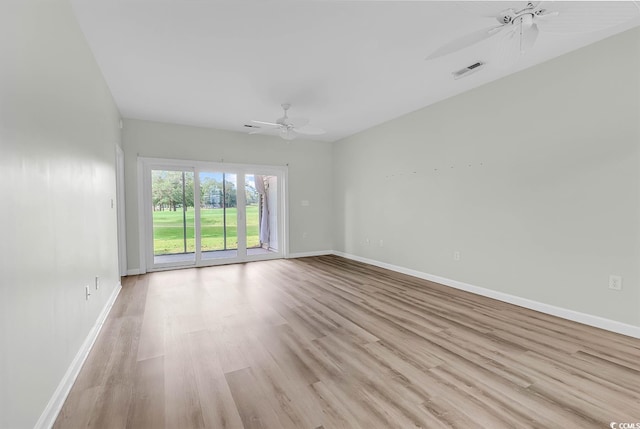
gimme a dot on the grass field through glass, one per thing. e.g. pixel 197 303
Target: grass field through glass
pixel 168 230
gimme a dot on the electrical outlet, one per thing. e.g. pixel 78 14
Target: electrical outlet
pixel 615 282
pixel 381 243
pixel 456 256
pixel 97 282
pixel 87 294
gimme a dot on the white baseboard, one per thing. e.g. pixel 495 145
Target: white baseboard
pixel 307 254
pixel 576 316
pixel 51 411
pixel 134 272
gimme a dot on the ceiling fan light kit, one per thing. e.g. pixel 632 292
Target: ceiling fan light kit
pixel 287 133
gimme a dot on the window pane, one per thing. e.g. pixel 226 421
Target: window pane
pixel 218 215
pixel 261 194
pixel 173 216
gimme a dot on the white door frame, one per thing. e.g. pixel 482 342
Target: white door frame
pixel 120 212
pixel 145 215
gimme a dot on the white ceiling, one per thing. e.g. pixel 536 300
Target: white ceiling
pixel 346 65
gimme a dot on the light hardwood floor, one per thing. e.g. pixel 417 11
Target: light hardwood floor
pixel 329 343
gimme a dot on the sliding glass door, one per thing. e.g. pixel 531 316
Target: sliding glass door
pixel 197 214
pixel 218 215
pixel 262 213
pixel 172 216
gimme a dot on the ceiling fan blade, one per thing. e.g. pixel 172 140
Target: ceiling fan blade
pixel 298 122
pixel 273 124
pixel 528 38
pixel 466 41
pixel 508 48
pixel 546 14
pixel 310 130
pixel 585 17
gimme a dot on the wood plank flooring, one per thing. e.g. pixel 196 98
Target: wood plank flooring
pixel 325 342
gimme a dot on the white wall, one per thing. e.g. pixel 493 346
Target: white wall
pixel 310 172
pixel 534 179
pixel 58 128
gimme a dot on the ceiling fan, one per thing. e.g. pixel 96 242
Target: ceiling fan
pixel 288 128
pixel 521 23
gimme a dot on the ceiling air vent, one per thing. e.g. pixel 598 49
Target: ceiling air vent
pixel 468 70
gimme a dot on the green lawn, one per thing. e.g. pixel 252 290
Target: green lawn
pixel 168 230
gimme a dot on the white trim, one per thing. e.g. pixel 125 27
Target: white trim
pixel 283 221
pixel 142 234
pixel 576 316
pixel 51 411
pixel 221 166
pixel 120 214
pixel 314 253
pixel 134 272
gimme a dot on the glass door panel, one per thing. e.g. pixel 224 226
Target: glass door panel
pixel 173 216
pixel 261 214
pixel 218 215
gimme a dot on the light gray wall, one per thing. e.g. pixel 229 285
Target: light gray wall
pixel 534 179
pixel 58 128
pixel 310 172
